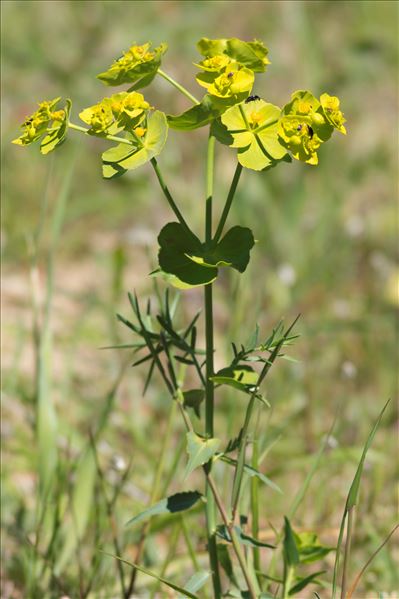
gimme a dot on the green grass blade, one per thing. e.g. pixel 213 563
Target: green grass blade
pixel 352 498
pixel 46 424
pixel 168 583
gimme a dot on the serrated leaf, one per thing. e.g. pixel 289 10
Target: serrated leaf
pixel 118 159
pixel 200 451
pixel 175 503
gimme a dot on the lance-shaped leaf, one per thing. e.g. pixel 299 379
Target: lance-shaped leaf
pixel 303 582
pixel 137 65
pixel 175 503
pixel 197 581
pixel 253 127
pixel 243 378
pixel 291 553
pixel 183 255
pixel 197 116
pixel 252 472
pixel 123 157
pixel 200 451
pixel 223 532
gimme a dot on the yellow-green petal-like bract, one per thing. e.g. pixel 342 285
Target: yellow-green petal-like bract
pixel 138 64
pixel 253 129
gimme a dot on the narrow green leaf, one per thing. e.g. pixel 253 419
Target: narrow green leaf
pixel 175 503
pixel 352 498
pixel 81 506
pixel 200 451
pixel 303 582
pixel 291 554
pixel 243 378
pixel 354 489
pixel 197 581
pixel 225 562
pixel 252 472
pixel 223 532
pixel 168 583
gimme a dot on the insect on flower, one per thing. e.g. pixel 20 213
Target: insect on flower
pixel 251 99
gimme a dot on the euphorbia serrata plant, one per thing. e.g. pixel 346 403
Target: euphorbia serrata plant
pixel 264 135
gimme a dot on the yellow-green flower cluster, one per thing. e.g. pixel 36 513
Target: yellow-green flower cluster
pixel 228 82
pixel 134 64
pixel 44 120
pixel 229 65
pixel 307 122
pixel 122 111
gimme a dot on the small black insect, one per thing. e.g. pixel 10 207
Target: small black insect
pixel 311 132
pixel 229 75
pixel 251 99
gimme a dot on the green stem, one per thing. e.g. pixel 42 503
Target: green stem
pixel 209 387
pixel 168 195
pixel 255 507
pixel 288 580
pixel 228 203
pixel 233 535
pixel 120 140
pixel 349 530
pixel 177 85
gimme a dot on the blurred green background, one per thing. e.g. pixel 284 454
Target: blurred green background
pixel 327 249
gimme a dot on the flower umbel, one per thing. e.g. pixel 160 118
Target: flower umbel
pixel 307 122
pixel 120 111
pixel 138 64
pixel 47 122
pixel 332 112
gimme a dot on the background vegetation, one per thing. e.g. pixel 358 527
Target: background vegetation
pixel 327 249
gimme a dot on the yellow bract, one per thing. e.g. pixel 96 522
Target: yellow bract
pixel 332 112
pixel 37 124
pixel 121 111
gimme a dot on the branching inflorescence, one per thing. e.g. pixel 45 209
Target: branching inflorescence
pixel 263 136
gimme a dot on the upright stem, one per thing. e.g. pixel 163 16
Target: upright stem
pixel 209 387
pixel 228 203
